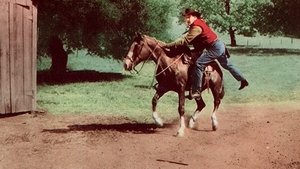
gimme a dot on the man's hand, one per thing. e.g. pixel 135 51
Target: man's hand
pixel 165 47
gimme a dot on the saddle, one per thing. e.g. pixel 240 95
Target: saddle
pixel 209 68
pixel 187 55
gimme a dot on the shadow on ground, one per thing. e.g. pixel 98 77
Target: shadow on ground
pixel 46 77
pixel 129 127
pixel 136 128
pixel 11 114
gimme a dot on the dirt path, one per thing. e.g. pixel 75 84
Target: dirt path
pixel 260 137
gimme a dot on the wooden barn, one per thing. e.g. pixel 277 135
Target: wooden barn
pixel 18 50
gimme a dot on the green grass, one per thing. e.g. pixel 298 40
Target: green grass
pixel 272 79
pixel 81 60
pixel 130 97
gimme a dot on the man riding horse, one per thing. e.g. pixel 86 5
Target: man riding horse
pixel 201 36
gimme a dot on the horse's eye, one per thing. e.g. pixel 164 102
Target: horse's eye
pixel 136 48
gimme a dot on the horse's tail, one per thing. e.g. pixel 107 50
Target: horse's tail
pixel 216 66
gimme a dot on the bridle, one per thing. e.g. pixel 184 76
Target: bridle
pixel 152 53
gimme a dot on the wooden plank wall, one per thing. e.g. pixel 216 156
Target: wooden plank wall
pixel 18 56
pixel 4 58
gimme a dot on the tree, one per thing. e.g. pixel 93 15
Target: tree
pixel 231 16
pixel 103 27
pixel 58 55
pixel 230 29
pixel 279 17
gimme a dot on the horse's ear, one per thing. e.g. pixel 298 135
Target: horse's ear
pixel 138 34
pixel 139 37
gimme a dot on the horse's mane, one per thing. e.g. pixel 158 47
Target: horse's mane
pixel 161 43
pixel 173 52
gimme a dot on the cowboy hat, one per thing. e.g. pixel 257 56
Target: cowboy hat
pixel 193 12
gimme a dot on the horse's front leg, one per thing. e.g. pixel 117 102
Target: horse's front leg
pixel 156 118
pixel 180 132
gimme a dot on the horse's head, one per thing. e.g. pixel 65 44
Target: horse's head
pixel 140 50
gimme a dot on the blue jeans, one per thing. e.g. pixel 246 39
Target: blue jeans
pixel 215 51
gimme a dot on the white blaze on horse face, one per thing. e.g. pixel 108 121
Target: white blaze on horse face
pixel 128 61
pixel 130 54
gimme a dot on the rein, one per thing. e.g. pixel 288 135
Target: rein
pixel 152 52
pixel 157 64
pixel 158 59
pixel 157 74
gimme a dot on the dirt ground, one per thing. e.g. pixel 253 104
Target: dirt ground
pixel 249 136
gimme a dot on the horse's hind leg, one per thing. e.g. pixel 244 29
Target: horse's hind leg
pixel 217 102
pixel 200 106
pixel 155 99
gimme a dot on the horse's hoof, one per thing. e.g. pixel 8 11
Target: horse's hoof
pixel 159 122
pixel 179 134
pixel 191 124
pixel 214 128
pixel 160 125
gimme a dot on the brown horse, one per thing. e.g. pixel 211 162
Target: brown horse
pixel 172 75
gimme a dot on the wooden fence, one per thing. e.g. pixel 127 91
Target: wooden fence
pixel 18 44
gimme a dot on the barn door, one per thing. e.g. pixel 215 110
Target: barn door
pixel 18 48
pixel 5 105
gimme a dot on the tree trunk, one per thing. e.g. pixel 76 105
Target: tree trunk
pixel 231 31
pixel 232 37
pixel 59 57
pixel 227 6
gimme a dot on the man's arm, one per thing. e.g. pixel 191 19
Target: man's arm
pixel 187 38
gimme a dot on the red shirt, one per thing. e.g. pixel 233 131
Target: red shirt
pixel 199 35
pixel 207 36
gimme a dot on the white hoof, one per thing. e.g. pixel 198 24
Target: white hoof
pixel 191 123
pixel 214 123
pixel 180 134
pixel 158 121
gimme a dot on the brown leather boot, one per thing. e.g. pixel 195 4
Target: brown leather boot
pixel 194 94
